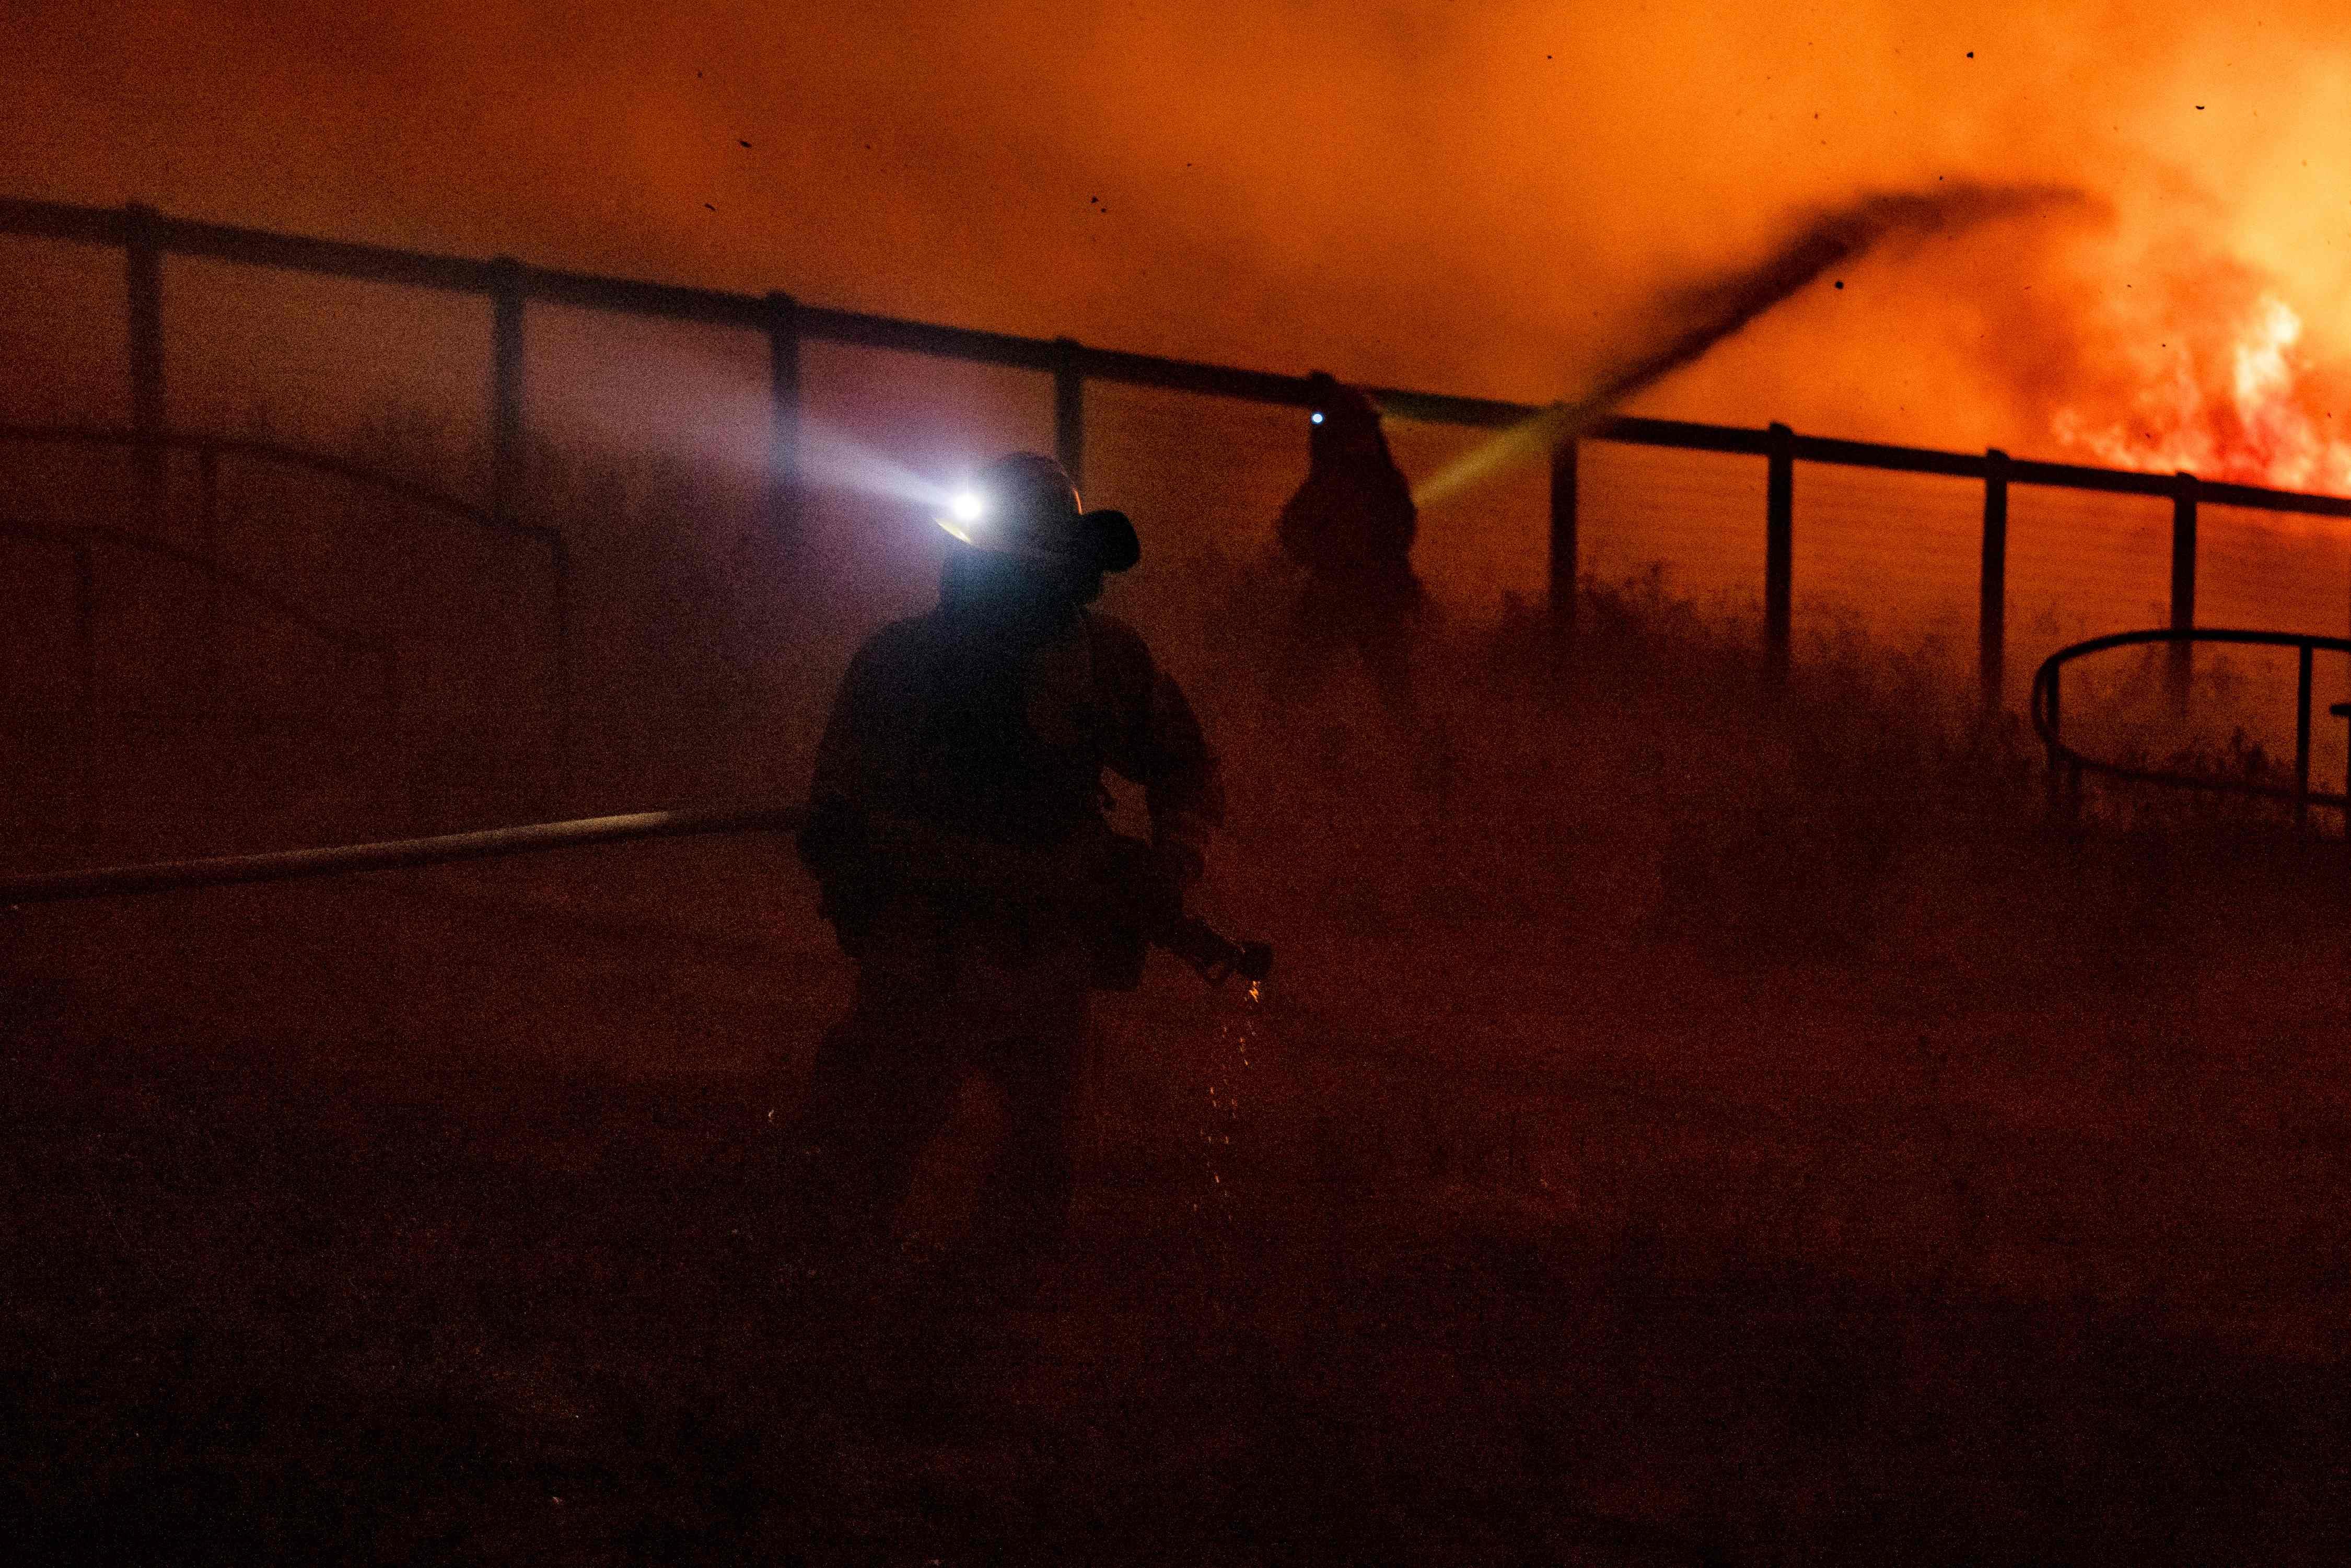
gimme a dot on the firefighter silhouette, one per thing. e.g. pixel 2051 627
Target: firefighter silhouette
pixel 1351 526
pixel 957 835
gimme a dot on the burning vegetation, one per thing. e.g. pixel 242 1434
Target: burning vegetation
pixel 2245 397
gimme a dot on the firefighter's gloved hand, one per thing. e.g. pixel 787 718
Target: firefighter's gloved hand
pixel 1144 888
pixel 1177 863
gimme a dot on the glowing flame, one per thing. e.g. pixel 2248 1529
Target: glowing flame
pixel 2256 424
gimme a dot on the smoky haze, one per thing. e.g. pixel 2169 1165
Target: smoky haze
pixel 1483 199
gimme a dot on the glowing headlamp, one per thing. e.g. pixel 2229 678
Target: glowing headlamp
pixel 965 509
pixel 1316 417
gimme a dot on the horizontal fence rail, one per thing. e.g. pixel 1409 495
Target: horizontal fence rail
pixel 2068 765
pixel 145 235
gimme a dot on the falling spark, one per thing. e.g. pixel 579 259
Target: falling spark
pixel 1235 1034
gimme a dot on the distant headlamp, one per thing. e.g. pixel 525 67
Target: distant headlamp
pixel 1316 417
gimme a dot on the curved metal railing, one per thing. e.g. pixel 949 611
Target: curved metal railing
pixel 77 543
pixel 211 449
pixel 2068 765
pixel 291 456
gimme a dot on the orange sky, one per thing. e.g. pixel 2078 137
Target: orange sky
pixel 1476 197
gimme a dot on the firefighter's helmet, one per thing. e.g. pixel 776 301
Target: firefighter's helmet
pixel 1025 505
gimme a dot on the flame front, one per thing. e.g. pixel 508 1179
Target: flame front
pixel 2260 421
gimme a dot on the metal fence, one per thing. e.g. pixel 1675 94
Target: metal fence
pixel 146 237
pixel 2066 765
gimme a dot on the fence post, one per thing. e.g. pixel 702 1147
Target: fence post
pixel 1070 410
pixel 142 257
pixel 2064 779
pixel 1563 570
pixel 208 535
pixel 560 563
pixel 1779 551
pixel 1991 607
pixel 784 413
pixel 505 386
pixel 2183 587
pixel 86 829
pixel 2301 740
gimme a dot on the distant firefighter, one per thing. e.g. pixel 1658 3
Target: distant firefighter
pixel 1350 526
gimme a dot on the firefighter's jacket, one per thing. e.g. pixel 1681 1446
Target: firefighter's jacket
pixel 959 787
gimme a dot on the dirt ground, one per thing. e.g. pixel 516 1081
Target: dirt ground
pixel 1573 1253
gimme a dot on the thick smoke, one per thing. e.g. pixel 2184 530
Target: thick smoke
pixel 1691 319
pixel 1698 316
pixel 1477 199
